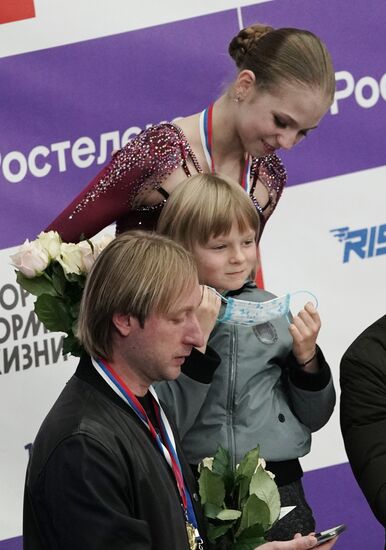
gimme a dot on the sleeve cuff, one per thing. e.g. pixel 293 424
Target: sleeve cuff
pixel 201 366
pixel 310 381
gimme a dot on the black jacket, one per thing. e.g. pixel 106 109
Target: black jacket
pixel 96 480
pixel 363 413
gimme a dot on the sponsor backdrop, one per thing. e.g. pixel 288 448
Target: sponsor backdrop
pixel 78 81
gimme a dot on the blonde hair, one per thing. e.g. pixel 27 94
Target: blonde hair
pixel 286 54
pixel 206 206
pixel 138 273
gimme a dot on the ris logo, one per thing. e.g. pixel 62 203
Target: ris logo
pixel 363 243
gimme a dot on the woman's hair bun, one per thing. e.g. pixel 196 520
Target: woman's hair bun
pixel 245 40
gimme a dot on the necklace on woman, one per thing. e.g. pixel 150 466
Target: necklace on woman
pixel 206 134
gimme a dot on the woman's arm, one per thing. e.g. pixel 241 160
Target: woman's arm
pixel 139 167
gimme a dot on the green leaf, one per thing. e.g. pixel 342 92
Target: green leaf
pixel 228 514
pixel 250 544
pixel 73 292
pixel 79 280
pixel 53 312
pixel 222 465
pixel 58 278
pixel 255 531
pixel 248 465
pixel 211 487
pixel 74 309
pixel 216 531
pixel 265 488
pixel 243 492
pixel 254 511
pixel 72 345
pixel 36 286
pixel 221 461
pixel 211 510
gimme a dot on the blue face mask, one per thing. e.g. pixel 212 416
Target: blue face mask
pixel 247 313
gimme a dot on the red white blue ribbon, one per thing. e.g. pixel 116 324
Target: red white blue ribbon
pixel 206 134
pixel 165 442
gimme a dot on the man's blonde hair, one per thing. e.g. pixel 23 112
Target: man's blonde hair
pixel 138 273
pixel 206 206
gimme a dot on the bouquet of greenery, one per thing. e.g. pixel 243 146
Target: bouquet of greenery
pixel 56 272
pixel 240 503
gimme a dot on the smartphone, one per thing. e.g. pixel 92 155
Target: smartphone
pixel 324 536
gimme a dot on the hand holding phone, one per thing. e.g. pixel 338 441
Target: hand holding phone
pixel 329 534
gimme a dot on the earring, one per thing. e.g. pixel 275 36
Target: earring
pixel 237 98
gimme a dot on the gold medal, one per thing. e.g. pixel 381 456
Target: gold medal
pixel 191 531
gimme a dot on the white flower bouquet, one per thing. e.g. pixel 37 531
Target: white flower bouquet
pixel 55 272
pixel 241 503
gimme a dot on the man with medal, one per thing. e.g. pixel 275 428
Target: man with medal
pixel 106 469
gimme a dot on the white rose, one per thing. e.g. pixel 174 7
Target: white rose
pixel 207 463
pixel 70 258
pixel 263 465
pixel 50 242
pixel 101 243
pixel 87 255
pixel 31 259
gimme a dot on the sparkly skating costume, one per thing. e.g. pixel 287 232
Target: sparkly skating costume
pixel 141 166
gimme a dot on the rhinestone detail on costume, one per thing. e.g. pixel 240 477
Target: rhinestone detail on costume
pixel 155 153
pixel 272 174
pixel 143 163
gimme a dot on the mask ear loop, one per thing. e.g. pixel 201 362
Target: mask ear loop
pixel 316 302
pixel 223 299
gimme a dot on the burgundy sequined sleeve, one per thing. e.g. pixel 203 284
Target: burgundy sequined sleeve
pixel 142 164
pixel 270 171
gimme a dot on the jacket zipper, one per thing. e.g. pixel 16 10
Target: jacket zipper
pixel 231 396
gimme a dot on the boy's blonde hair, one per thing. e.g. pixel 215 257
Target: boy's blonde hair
pixel 206 206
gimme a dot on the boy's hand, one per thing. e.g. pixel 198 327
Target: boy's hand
pixel 304 330
pixel 207 313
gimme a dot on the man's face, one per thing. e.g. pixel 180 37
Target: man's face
pixel 157 350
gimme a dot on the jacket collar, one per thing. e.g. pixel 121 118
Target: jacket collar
pixel 87 373
pixel 247 285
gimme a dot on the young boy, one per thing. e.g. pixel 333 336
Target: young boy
pixel 273 387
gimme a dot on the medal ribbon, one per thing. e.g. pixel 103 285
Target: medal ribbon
pixel 206 134
pixel 166 445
